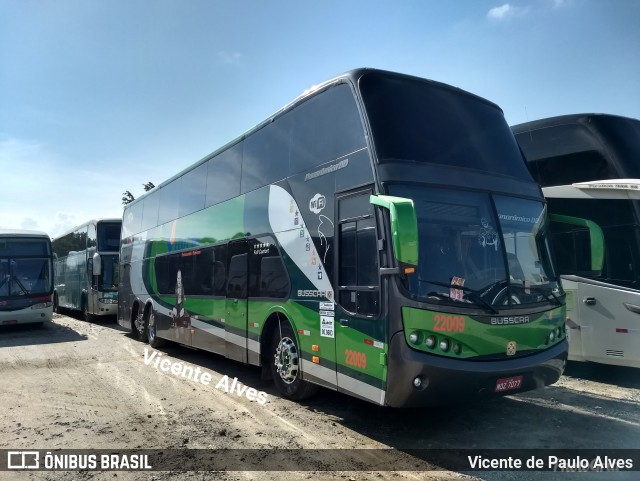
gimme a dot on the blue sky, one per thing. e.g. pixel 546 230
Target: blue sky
pixel 99 97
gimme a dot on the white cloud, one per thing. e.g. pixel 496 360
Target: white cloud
pixel 506 11
pixel 234 58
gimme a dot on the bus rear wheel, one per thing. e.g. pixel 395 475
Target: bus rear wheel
pixel 285 365
pixel 85 311
pixel 152 334
pixel 139 327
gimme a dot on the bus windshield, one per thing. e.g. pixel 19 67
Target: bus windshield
pixel 24 267
pixel 415 120
pixel 109 278
pixel 467 255
pixel 109 236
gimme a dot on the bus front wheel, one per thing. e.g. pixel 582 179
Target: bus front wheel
pixel 285 365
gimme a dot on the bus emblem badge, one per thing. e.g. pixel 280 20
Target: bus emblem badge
pixel 511 348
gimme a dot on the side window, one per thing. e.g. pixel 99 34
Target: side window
pixel 169 198
pixel 92 240
pixel 237 280
pixel 571 247
pixel 202 272
pixel 325 127
pixel 132 220
pixel 358 273
pixel 223 175
pixel 267 274
pixel 220 270
pixel 150 210
pixel 193 188
pixel 166 268
pixel 265 158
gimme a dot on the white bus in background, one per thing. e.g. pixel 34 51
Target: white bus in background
pixel 86 268
pixel 589 168
pixel 26 277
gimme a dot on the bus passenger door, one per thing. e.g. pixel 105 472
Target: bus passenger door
pixel 359 325
pixel 236 302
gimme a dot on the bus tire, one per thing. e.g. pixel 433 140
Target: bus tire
pixel 139 327
pixel 85 311
pixel 285 365
pixel 56 306
pixel 152 335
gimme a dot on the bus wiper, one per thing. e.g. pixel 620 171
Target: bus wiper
pixel 471 294
pixel 548 294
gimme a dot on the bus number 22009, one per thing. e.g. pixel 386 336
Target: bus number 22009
pixel 354 358
pixel 449 323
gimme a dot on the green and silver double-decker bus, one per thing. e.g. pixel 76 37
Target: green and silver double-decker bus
pixel 380 236
pixel 26 280
pixel 86 268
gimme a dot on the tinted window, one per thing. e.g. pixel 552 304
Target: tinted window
pixel 132 219
pixel 223 175
pixel 196 272
pixel 570 168
pixel 265 157
pixel 237 280
pixel 169 201
pixel 358 259
pixel 109 236
pixel 220 270
pixel 193 186
pixel 325 127
pixel 23 247
pixel 424 121
pixel 267 274
pixel 150 207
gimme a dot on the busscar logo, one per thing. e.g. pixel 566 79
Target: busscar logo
pixel 501 321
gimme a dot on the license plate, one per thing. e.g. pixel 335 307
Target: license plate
pixel 508 383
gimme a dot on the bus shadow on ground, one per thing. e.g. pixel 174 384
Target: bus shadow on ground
pixel 544 422
pixel 35 334
pixel 628 377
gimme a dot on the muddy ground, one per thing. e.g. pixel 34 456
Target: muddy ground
pixel 76 385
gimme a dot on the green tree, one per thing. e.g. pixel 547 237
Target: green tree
pixel 127 197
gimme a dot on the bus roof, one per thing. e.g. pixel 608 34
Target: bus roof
pixel 90 221
pixel 22 233
pixel 580 147
pixel 351 76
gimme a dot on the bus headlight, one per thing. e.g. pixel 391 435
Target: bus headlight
pixel 107 300
pixel 414 337
pixel 444 345
pixel 430 342
pixel 41 305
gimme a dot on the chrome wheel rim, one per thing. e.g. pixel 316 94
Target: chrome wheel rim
pixel 286 360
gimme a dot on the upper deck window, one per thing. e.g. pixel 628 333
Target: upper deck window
pixel 422 121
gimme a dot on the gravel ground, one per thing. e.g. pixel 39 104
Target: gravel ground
pixel 76 385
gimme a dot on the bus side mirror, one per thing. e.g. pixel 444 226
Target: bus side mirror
pixel 575 225
pixel 97 265
pixel 404 230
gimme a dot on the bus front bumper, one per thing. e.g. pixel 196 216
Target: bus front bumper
pixel 456 381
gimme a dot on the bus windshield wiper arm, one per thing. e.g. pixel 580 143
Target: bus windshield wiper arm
pixel 472 294
pixel 549 295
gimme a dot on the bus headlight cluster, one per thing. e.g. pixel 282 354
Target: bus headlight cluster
pixel 556 334
pixel 431 342
pixel 107 300
pixel 41 305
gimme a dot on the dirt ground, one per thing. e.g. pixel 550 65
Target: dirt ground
pixel 76 385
